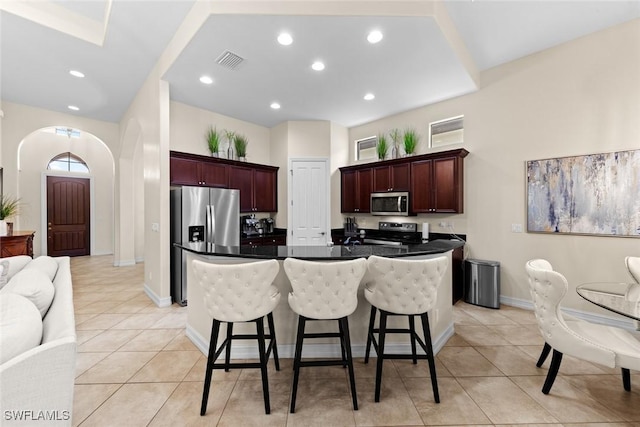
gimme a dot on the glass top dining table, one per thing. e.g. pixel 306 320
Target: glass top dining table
pixel 621 298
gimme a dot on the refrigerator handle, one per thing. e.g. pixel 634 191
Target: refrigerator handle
pixel 211 224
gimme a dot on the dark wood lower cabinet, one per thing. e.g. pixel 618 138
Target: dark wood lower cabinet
pixel 279 240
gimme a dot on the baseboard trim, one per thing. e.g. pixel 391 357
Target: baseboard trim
pixel 589 317
pixel 160 302
pixel 315 350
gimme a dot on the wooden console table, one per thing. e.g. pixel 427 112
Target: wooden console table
pixel 19 243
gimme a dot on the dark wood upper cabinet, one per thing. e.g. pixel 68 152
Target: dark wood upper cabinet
pixel 198 172
pixel 391 177
pixel 356 190
pixel 434 181
pixel 258 188
pixel 436 185
pixel 258 184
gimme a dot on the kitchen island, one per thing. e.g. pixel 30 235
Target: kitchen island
pixel 199 322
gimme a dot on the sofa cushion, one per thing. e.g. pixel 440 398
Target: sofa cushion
pixel 34 285
pixel 20 326
pixel 4 271
pixel 46 264
pixel 16 263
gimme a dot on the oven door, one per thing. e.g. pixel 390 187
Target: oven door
pixel 392 204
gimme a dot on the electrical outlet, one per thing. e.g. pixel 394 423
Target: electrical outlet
pixel 516 228
pixel 155 226
pixel 445 224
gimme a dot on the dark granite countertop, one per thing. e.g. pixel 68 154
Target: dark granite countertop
pixel 321 252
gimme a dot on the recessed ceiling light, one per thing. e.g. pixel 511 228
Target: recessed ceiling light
pixel 73 107
pixel 318 66
pixel 206 80
pixel 369 97
pixel 76 73
pixel 275 105
pixel 374 36
pixel 285 39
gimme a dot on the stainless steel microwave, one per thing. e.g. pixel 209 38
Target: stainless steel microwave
pixel 392 204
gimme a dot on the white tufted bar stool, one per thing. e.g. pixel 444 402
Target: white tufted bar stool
pixel 239 293
pixel 324 291
pixel 399 287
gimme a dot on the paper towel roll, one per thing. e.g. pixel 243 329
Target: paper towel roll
pixel 425 231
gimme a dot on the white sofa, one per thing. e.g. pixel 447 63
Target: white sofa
pixel 36 386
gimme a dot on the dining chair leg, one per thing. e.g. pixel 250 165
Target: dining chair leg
pixel 344 326
pixel 296 362
pixel 430 358
pixel 556 359
pixel 227 354
pixel 626 379
pixel 543 356
pixel 263 364
pixel 412 332
pixel 215 329
pixel 274 345
pixel 381 337
pixel 372 319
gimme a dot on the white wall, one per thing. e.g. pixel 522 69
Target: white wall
pixel 189 125
pixel 579 98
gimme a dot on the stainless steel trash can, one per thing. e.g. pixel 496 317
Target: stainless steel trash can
pixel 482 282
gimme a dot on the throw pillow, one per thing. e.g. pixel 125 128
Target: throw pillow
pixel 4 271
pixel 16 263
pixel 34 285
pixel 20 326
pixel 46 264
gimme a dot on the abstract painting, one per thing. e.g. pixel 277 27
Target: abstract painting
pixel 595 194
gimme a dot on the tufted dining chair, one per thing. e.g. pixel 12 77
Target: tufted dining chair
pixel 324 291
pixel 239 293
pixel 399 287
pixel 604 345
pixel 633 267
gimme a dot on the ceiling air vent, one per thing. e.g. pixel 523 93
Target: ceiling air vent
pixel 229 59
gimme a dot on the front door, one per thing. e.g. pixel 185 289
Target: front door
pixel 68 213
pixel 309 203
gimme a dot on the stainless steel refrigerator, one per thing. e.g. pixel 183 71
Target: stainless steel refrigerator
pixel 200 214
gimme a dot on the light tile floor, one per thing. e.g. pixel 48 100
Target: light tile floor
pixel 136 368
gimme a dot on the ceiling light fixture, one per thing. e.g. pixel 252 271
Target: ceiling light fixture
pixel 73 107
pixel 318 66
pixel 369 97
pixel 285 39
pixel 206 80
pixel 76 73
pixel 275 105
pixel 374 36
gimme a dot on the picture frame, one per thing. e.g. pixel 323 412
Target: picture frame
pixel 587 194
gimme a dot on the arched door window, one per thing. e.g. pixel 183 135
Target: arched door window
pixel 68 162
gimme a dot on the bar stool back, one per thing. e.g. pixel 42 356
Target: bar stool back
pixel 239 293
pixel 408 288
pixel 324 291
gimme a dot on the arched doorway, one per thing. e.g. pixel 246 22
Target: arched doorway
pixel 35 154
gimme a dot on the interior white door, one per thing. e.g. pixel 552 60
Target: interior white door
pixel 309 204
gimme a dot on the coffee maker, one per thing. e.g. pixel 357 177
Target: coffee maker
pixel 267 225
pixel 250 225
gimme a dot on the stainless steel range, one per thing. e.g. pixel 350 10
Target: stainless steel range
pixel 393 233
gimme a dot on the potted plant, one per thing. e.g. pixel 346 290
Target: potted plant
pixel 8 208
pixel 213 141
pixel 411 139
pixel 395 136
pixel 382 147
pixel 229 134
pixel 240 144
